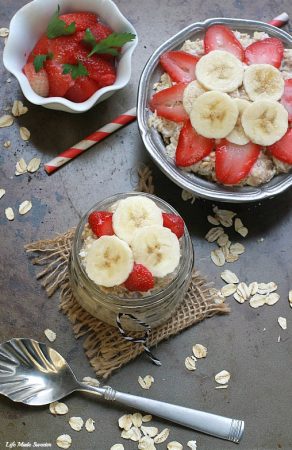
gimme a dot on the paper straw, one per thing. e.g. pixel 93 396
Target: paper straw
pixel 280 20
pixel 116 124
pixel 89 141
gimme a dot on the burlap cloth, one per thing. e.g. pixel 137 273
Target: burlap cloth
pixel 104 346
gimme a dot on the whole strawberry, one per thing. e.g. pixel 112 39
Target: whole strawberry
pixel 101 223
pixel 140 279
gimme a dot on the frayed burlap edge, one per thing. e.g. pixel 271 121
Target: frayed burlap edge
pixel 104 346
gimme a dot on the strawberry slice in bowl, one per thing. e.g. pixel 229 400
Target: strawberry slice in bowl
pixel 266 51
pixel 286 99
pixel 168 103
pixel 282 149
pixel 179 65
pixel 220 37
pixel 192 147
pixel 233 162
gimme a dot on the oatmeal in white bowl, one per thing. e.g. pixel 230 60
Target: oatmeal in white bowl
pixel 214 109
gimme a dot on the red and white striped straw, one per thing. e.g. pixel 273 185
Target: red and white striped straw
pixel 280 20
pixel 117 123
pixel 89 141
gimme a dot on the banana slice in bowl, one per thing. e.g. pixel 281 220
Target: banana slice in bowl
pixel 265 122
pixel 214 114
pixel 263 81
pixel 220 71
pixel 237 135
pixel 193 90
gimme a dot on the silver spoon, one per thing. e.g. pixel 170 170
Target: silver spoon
pixel 35 374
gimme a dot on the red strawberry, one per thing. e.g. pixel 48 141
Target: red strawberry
pixel 99 68
pixel 82 89
pixel 179 65
pixel 286 99
pixel 42 47
pixel 59 83
pixel 219 37
pixel 283 148
pixel 234 162
pixel 101 223
pixel 267 51
pixel 174 223
pixel 82 20
pixel 100 31
pixel 64 48
pixel 140 279
pixel 168 103
pixel 38 81
pixel 191 147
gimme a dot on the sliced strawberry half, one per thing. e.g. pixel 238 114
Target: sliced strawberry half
pixel 38 81
pixel 82 19
pixel 101 223
pixel 234 162
pixel 82 89
pixel 140 279
pixel 191 147
pixel 283 148
pixel 58 82
pixel 100 69
pixel 219 37
pixel 179 65
pixel 286 99
pixel 168 103
pixel 267 51
pixel 42 47
pixel 65 48
pixel 175 223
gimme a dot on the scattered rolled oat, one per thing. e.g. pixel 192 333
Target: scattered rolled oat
pixel 91 381
pixel 2 192
pixel 146 382
pixel 192 445
pixel 214 233
pixel 58 408
pixel 243 291
pixel 146 443
pixel 64 441
pixel 238 297
pixel 243 231
pixel 199 351
pixel 223 239
pixel 50 335
pixel 6 121
pixel 253 288
pixel 190 363
pixel 213 220
pixel 237 224
pixel 225 386
pixel 228 289
pixel 237 249
pixel 266 288
pixel 229 277
pixel 137 420
pixel 20 167
pixel 7 144
pixel 117 447
pixel 147 418
pixel 272 298
pixel 186 195
pixel 76 423
pixel 4 32
pixel 134 434
pixel 218 257
pixel 18 109
pixel 162 436
pixel 33 165
pixel 282 321
pixel 89 425
pixel 24 133
pixel 224 216
pixel 9 213
pixel 24 207
pixel 257 300
pixel 125 422
pixel 174 445
pixel 222 377
pixel 279 339
pixel 149 431
pixel 290 297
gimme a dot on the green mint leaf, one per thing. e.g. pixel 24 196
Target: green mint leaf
pixel 58 27
pixel 39 60
pixel 76 70
pixel 108 45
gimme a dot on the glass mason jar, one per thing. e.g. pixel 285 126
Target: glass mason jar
pixel 153 308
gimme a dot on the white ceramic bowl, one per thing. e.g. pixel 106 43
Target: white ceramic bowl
pixel 31 21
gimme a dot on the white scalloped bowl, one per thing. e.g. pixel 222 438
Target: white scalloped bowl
pixel 30 22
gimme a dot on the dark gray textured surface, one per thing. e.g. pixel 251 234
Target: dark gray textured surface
pixel 260 387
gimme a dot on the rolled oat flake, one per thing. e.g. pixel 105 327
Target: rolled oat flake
pixel 64 441
pixel 24 207
pixel 222 377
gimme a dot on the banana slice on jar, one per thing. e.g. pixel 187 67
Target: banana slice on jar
pixel 214 114
pixel 237 135
pixel 220 71
pixel 263 81
pixel 265 122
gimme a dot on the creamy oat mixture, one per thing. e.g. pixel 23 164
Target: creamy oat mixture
pixel 267 166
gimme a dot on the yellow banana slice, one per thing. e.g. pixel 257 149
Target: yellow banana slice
pixel 237 135
pixel 193 90
pixel 263 81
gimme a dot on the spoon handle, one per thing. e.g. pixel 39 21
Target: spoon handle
pixel 219 426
